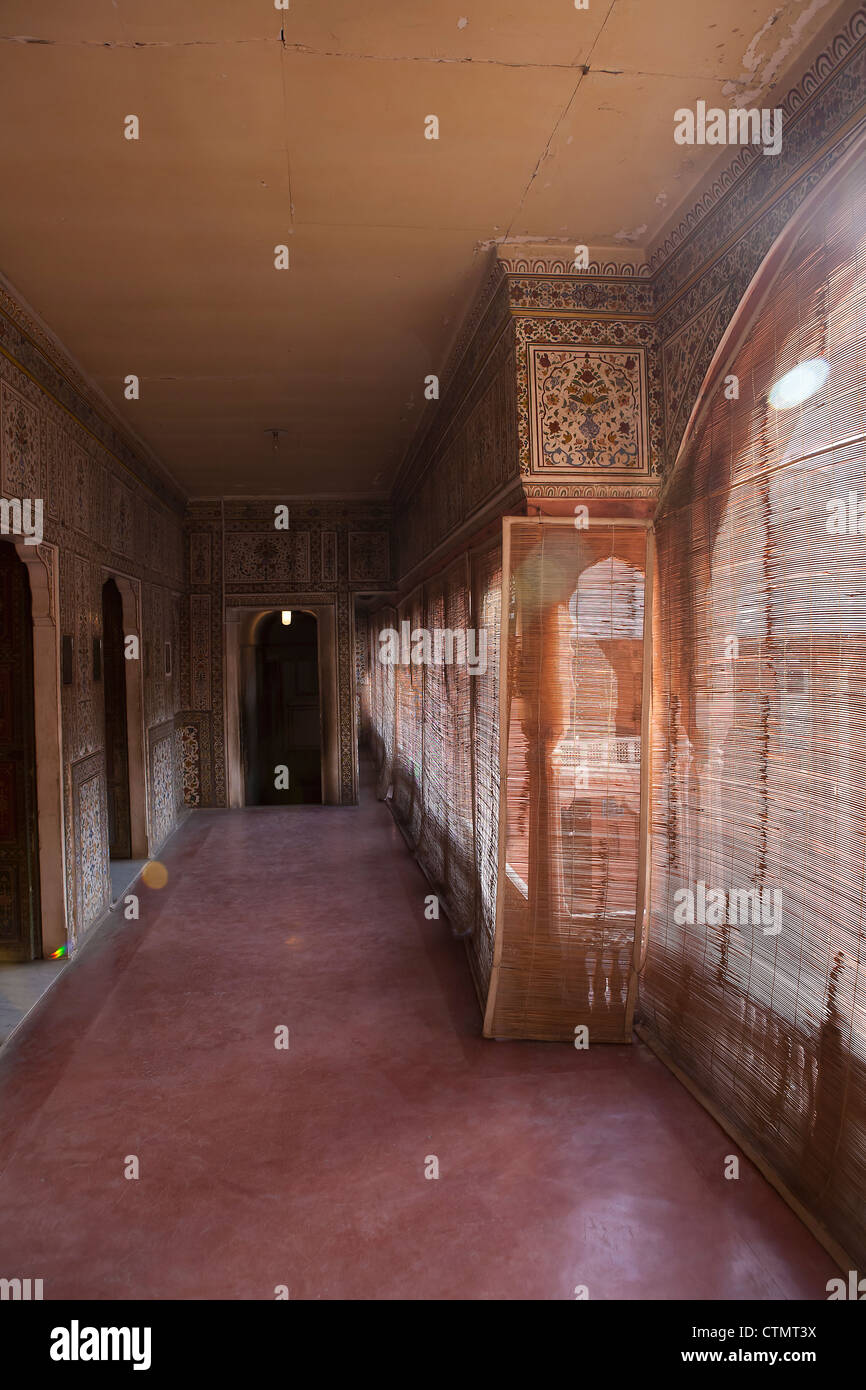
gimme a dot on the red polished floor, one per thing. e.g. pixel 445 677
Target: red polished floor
pixel 305 1167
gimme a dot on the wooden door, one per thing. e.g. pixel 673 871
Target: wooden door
pixel 20 922
pixel 116 746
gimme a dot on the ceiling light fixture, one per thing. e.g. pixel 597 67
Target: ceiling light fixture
pixel 287 616
pixel 799 384
pixel 275 437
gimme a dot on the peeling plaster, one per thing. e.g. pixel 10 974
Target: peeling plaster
pixel 631 236
pixel 752 59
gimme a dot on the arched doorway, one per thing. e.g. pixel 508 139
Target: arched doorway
pixel 282 724
pixel 20 916
pixel 116 734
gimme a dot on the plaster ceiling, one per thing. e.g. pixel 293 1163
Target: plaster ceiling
pixel 155 257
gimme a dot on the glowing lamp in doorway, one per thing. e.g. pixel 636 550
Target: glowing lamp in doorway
pixel 286 616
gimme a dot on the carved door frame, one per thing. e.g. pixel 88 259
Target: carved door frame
pixel 239 622
pixel 41 562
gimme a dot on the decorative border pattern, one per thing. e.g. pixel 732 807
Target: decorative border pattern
pixel 580 292
pixel 194 730
pixel 369 556
pixel 200 650
pixel 191 764
pixel 329 557
pixel 818 105
pixel 272 557
pixel 581 489
pixel 90 841
pixel 163 796
pixel 200 555
pixel 540 265
pixel 686 355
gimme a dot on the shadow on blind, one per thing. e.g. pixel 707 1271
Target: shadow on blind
pixel 755 976
pixel 433 729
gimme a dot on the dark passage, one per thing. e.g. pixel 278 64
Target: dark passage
pixel 20 935
pixel 282 724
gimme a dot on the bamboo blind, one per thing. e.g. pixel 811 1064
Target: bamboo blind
pixel 760 732
pixel 408 750
pixel 439 772
pixel 572 712
pixel 486 574
pixel 433 729
pixel 377 703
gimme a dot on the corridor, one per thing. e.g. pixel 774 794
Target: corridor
pixel 261 1167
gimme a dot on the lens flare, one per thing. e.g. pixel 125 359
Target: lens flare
pixel 799 384
pixel 154 874
pixel 58 954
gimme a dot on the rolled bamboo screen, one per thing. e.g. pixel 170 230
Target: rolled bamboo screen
pixel 486 574
pixel 445 846
pixel 755 974
pixel 572 716
pixel 437 734
pixel 433 730
pixel 408 750
pixel 377 703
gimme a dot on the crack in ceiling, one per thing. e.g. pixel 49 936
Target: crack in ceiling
pixel 156 258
